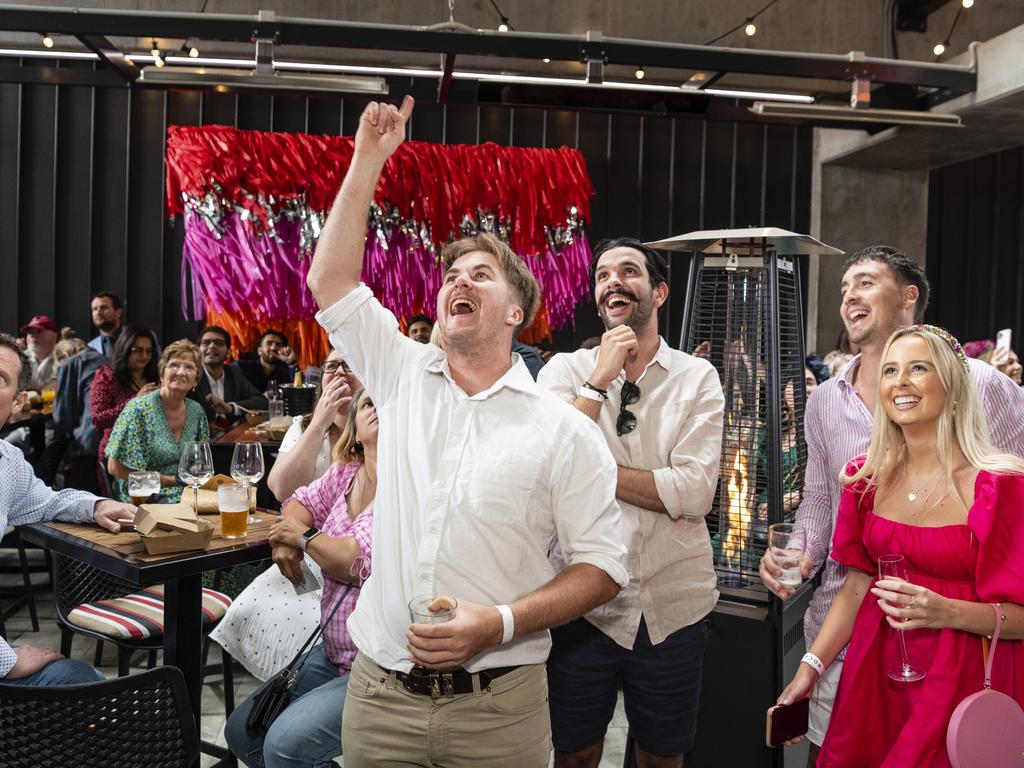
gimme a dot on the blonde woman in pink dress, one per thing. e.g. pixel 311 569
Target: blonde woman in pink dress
pixel 932 489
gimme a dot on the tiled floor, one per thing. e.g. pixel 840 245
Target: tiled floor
pixel 19 630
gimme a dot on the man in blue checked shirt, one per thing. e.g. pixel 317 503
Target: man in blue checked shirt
pixel 25 499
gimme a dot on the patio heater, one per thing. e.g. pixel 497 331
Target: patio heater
pixel 744 313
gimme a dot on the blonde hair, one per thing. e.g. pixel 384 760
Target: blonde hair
pixel 520 279
pixel 67 347
pixel 962 422
pixel 181 348
pixel 348 449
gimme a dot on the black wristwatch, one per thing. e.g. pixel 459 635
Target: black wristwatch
pixel 307 536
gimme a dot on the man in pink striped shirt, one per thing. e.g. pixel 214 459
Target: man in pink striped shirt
pixel 882 290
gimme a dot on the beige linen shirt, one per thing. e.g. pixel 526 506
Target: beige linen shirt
pixel 679 438
pixel 472 491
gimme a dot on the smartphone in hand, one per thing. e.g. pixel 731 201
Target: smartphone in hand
pixel 786 721
pixel 1003 340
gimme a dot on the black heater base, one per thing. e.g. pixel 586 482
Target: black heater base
pixel 753 651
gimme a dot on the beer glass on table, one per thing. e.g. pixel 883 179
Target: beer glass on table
pixel 142 485
pixel 233 503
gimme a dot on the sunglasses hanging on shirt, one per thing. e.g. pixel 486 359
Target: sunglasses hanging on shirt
pixel 626 422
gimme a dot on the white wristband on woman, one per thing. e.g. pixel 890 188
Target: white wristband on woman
pixel 508 623
pixel 814 663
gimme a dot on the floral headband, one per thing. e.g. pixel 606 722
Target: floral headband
pixel 947 337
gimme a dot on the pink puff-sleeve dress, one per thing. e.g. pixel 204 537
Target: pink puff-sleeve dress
pixel 880 722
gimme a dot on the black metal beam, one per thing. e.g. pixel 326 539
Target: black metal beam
pixel 112 55
pixel 340 34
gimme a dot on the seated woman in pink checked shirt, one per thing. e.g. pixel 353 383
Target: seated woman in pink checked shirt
pixel 331 520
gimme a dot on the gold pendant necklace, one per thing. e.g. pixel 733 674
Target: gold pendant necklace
pixel 912 494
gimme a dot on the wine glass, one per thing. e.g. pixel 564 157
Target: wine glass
pixel 894 568
pixel 195 466
pixel 247 469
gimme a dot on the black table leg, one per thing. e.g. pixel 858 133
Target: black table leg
pixel 183 634
pixel 183 648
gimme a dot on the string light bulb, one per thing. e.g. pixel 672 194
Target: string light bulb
pixel 154 49
pixel 193 52
pixel 503 27
pixel 640 74
pixel 750 28
pixel 939 49
pixel 967 3
pixel 47 41
pixel 159 61
pixel 546 60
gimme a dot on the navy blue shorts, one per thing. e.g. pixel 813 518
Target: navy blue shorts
pixel 660 686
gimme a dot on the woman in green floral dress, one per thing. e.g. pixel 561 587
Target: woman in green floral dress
pixel 151 429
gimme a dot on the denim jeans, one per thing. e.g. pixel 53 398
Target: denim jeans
pixel 61 672
pixel 308 732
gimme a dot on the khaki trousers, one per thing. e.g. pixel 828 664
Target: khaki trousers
pixel 506 724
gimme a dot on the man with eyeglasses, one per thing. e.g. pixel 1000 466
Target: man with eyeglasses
pixel 223 390
pixel 660 411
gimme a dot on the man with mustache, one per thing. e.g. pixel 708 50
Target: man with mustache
pixel 660 412
pixel 480 472
pixel 882 290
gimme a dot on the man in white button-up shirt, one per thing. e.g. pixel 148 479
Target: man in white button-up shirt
pixel 660 411
pixel 480 474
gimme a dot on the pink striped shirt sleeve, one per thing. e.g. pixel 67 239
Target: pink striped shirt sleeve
pixel 320 496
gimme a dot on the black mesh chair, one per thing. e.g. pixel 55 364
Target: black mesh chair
pixel 127 722
pixel 13 599
pixel 75 583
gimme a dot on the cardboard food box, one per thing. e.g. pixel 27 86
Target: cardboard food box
pixel 167 528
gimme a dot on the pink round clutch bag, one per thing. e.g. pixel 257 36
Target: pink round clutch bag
pixel 986 729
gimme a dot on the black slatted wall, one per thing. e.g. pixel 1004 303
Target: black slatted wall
pixel 976 246
pixel 81 185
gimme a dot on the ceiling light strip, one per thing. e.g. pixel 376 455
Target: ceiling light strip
pixel 310 66
pixel 48 54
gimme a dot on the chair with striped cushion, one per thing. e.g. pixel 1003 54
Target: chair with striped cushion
pixel 95 604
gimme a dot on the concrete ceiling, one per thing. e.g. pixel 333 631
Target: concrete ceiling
pixel 993 117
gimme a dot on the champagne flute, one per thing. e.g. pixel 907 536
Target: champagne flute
pixel 195 467
pixel 894 568
pixel 247 469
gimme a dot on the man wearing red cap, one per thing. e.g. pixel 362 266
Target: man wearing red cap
pixel 41 336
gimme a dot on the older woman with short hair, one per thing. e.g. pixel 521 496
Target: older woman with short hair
pixel 151 429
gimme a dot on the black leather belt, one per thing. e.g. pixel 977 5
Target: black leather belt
pixel 438 683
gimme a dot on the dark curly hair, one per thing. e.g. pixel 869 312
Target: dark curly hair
pixel 904 269
pixel 657 268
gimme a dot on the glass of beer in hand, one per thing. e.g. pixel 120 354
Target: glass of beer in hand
pixel 233 503
pixel 142 485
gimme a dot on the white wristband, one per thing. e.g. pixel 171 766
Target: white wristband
pixel 508 623
pixel 591 394
pixel 814 663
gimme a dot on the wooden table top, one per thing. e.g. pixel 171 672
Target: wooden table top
pixel 243 433
pixel 130 544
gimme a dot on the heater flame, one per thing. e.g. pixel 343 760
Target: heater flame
pixel 738 513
